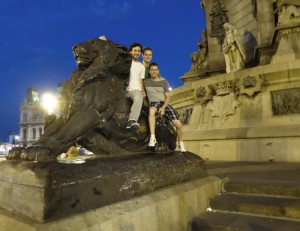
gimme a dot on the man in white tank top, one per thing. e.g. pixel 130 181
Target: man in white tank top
pixel 135 89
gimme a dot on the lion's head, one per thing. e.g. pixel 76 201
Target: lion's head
pixel 105 55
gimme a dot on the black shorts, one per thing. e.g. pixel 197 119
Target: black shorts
pixel 170 113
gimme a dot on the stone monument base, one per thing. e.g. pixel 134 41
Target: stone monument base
pixel 44 192
pixel 171 208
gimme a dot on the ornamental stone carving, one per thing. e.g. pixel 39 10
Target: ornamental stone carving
pixel 218 18
pixel 223 106
pixel 185 114
pixel 250 85
pixel 286 102
pixel 203 94
pixel 288 11
pixel 254 7
pixel 225 87
pixel 199 58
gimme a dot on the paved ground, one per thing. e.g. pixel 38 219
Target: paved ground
pixel 2 158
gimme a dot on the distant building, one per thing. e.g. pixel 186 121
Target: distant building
pixel 11 137
pixel 31 118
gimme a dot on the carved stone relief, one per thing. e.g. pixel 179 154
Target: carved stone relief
pixel 254 7
pixel 250 85
pixel 199 58
pixel 203 94
pixel 224 105
pixel 225 87
pixel 185 114
pixel 218 18
pixel 288 11
pixel 286 102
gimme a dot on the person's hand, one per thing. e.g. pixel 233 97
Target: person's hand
pixel 162 111
pixel 102 37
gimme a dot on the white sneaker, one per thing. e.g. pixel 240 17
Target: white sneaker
pixel 181 147
pixel 152 142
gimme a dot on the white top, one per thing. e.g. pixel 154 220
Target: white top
pixel 137 72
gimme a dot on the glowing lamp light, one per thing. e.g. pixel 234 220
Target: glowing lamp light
pixel 49 102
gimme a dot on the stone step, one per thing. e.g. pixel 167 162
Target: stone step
pixel 264 205
pixel 226 221
pixel 273 188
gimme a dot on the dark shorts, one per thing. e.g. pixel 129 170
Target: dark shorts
pixel 170 113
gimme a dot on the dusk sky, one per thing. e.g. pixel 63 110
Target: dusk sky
pixel 37 37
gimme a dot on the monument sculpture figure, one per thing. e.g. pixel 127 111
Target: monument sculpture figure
pixel 232 49
pixel 199 58
pixel 94 108
pixel 287 13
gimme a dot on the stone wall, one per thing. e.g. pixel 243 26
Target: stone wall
pixel 252 114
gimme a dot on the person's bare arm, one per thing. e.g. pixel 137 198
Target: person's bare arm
pixel 143 90
pixel 167 100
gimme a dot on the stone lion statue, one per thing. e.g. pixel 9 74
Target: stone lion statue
pixel 94 109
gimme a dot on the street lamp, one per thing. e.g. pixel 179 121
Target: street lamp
pixel 49 103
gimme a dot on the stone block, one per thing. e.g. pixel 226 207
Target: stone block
pixel 170 208
pixel 48 191
pixel 238 13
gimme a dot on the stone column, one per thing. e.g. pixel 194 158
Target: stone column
pixel 265 22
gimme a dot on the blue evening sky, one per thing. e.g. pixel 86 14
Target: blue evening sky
pixel 37 36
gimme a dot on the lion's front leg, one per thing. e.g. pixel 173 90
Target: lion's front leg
pixel 51 130
pixel 81 124
pixel 37 153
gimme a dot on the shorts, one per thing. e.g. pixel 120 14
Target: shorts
pixel 170 113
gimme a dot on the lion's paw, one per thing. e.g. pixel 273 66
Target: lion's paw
pixel 37 153
pixel 14 153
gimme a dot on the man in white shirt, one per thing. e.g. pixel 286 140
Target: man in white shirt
pixel 135 89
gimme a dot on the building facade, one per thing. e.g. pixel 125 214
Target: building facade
pixel 31 118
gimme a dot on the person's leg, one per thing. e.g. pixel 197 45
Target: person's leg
pixel 152 111
pixel 137 102
pixel 151 118
pixel 178 126
pixel 172 115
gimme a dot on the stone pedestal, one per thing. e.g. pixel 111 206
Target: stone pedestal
pixel 248 115
pixel 251 114
pixel 47 191
pixel 170 208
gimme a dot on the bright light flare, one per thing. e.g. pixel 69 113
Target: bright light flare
pixel 49 102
